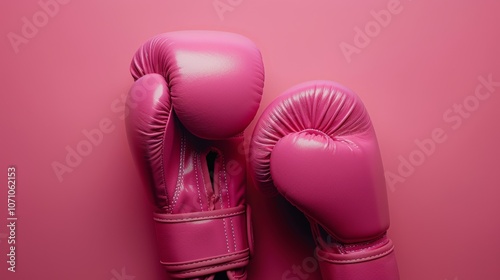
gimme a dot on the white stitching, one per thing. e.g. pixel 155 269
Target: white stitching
pixel 228 199
pixel 232 229
pixel 205 186
pixel 196 161
pixel 180 174
pixel 361 259
pixel 222 203
pixel 225 234
pixel 163 178
pixel 198 218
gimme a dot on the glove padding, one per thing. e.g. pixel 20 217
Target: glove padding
pixel 316 146
pixel 195 92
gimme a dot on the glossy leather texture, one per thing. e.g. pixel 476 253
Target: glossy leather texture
pixel 316 146
pixel 195 92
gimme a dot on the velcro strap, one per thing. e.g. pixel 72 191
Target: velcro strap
pixel 201 243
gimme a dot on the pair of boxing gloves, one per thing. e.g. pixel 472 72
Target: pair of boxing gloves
pixel 194 94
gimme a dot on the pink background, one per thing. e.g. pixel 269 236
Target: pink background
pixel 95 223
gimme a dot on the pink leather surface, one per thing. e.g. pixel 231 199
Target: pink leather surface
pixel 381 268
pixel 429 78
pixel 213 77
pixel 179 235
pixel 195 244
pixel 194 94
pixel 316 145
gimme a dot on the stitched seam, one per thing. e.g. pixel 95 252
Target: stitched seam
pixel 361 259
pixel 196 162
pixel 222 204
pixel 244 253
pixel 205 186
pixel 211 267
pixel 225 234
pixel 356 246
pixel 204 217
pixel 228 200
pixel 180 174
pixel 232 229
pixel 163 177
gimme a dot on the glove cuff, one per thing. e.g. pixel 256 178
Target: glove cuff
pixel 376 262
pixel 204 243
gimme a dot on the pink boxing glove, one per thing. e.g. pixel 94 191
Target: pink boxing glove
pixel 316 146
pixel 195 92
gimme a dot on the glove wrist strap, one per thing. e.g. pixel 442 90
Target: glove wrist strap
pixel 375 263
pixel 201 243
